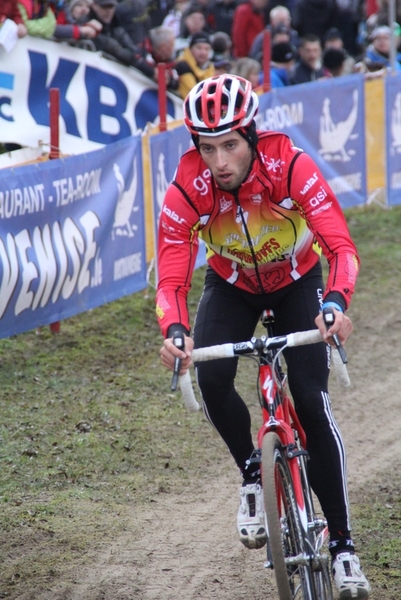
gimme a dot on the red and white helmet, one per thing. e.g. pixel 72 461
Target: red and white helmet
pixel 220 104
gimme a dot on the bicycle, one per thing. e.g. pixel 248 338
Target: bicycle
pixel 296 535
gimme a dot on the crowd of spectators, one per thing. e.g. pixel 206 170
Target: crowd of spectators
pixel 309 39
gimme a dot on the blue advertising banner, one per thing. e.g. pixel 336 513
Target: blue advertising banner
pixel 326 119
pixel 393 138
pixel 72 235
pixel 101 100
pixel 166 150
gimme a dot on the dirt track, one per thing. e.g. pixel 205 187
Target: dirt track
pixel 185 548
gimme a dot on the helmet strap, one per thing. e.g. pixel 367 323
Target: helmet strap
pixel 195 139
pixel 249 134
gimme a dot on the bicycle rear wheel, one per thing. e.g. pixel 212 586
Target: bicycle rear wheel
pixel 287 540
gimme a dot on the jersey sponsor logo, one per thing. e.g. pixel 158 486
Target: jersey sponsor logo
pixel 201 183
pixel 173 215
pixel 225 204
pixel 319 197
pixel 322 208
pixel 168 241
pixel 309 183
pixel 256 198
pixel 274 164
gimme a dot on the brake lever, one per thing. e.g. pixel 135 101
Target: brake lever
pixel 178 341
pixel 329 318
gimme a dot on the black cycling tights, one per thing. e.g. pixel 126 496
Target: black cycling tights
pixel 228 314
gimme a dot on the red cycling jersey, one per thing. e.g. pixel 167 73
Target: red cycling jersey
pixel 268 233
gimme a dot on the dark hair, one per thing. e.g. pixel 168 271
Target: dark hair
pixel 333 58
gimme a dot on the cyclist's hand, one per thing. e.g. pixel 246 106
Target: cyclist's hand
pixel 342 326
pixel 168 351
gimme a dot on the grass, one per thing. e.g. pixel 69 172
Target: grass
pixel 88 426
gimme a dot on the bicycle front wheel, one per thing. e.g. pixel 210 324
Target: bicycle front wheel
pixel 287 540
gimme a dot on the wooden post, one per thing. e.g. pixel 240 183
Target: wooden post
pixel 162 94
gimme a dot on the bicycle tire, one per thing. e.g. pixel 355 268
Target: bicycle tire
pixel 321 572
pixel 286 538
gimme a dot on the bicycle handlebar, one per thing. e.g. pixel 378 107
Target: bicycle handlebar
pixel 254 346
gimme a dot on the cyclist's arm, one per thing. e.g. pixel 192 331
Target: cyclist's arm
pixel 318 204
pixel 177 251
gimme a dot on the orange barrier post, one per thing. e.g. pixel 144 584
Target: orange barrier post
pixel 266 60
pixel 54 150
pixel 162 94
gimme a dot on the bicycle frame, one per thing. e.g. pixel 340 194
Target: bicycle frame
pixel 295 534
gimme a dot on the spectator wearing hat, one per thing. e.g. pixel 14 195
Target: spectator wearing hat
pixel 377 54
pixel 308 66
pixel 194 64
pixel 283 56
pixel 114 39
pixel 249 20
pixel 73 24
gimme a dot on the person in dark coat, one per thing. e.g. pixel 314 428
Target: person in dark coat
pixel 308 67
pixel 315 17
pixel 114 39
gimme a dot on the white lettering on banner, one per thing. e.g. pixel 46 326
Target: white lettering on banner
pixel 22 201
pixel 286 115
pixel 396 180
pixel 129 265
pixel 346 183
pixel 86 185
pixel 57 259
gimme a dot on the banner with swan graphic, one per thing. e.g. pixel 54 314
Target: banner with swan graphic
pixel 166 150
pixel 329 126
pixel 72 235
pixel 393 138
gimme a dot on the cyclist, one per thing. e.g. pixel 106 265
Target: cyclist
pixel 266 214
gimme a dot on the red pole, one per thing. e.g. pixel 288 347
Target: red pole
pixel 161 80
pixel 266 60
pixel 54 125
pixel 54 150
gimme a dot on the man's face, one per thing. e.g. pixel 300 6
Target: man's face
pixel 382 43
pixel 310 53
pixel 201 53
pixel 105 12
pixel 228 157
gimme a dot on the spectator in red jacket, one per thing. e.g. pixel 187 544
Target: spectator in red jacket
pixel 9 10
pixel 249 20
